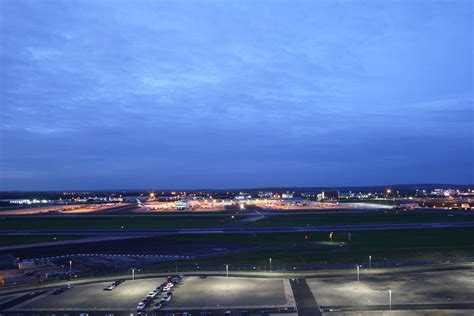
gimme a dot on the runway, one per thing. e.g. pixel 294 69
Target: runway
pixel 237 230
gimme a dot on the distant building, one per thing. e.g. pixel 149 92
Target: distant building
pixel 181 205
pixel 243 196
pixel 443 192
pixel 296 201
pixel 328 195
pixel 135 199
pixel 287 195
pixel 165 198
pixel 226 202
pixel 265 195
pixel 24 201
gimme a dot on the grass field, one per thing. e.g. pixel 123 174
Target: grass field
pixel 19 240
pixel 260 258
pixel 202 221
pixel 387 239
pixel 358 218
pixel 110 222
pixel 392 245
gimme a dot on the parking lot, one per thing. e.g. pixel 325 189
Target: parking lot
pixel 93 297
pixel 192 293
pixel 409 289
pixel 445 290
pixel 229 293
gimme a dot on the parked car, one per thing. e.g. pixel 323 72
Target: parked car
pixel 141 306
pixel 157 306
pixel 110 287
pixel 228 313
pixel 203 276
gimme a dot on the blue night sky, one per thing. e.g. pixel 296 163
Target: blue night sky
pixel 228 94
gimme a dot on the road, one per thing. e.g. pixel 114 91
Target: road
pixel 305 301
pixel 236 230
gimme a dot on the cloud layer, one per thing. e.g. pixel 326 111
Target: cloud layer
pixel 194 94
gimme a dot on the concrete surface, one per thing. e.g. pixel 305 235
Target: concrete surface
pixel 192 293
pixel 222 292
pixel 407 288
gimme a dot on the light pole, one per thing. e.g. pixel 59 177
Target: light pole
pixel 133 279
pixel 390 300
pixel 357 276
pixel 227 277
pixel 370 262
pixel 70 271
pixel 270 259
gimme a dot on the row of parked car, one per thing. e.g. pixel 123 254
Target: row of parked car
pixel 165 287
pixel 114 285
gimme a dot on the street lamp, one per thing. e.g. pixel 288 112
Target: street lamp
pixel 370 262
pixel 70 270
pixel 270 259
pixel 133 279
pixel 227 277
pixel 357 276
pixel 389 299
